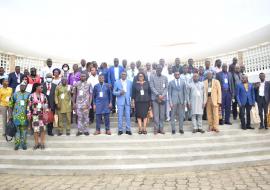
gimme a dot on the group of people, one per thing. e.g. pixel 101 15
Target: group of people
pixel 167 92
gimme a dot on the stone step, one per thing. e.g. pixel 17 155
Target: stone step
pixel 138 140
pixel 139 150
pixel 129 159
pixel 209 164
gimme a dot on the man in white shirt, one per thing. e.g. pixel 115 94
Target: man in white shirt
pixel 132 72
pixel 148 71
pixel 92 80
pixel 47 69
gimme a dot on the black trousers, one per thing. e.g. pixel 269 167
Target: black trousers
pixel 50 128
pixel 113 103
pixel 263 110
pixel 245 115
pixel 91 113
pixel 234 109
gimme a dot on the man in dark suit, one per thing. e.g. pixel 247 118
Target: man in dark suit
pixel 246 99
pixel 226 83
pixel 262 92
pixel 15 78
pixel 114 74
pixel 49 91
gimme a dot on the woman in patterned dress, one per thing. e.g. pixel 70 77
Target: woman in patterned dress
pixel 37 105
pixel 18 104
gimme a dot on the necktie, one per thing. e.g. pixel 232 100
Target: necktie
pixel 132 74
pixel 49 87
pixel 178 83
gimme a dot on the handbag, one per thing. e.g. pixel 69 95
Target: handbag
pixel 11 130
pixel 150 113
pixel 48 117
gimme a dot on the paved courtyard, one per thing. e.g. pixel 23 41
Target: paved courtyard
pixel 248 178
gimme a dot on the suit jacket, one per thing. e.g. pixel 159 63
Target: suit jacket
pixel 12 80
pixel 219 77
pixel 177 95
pixel 122 99
pixel 266 92
pixel 111 77
pixel 51 96
pixel 215 92
pixel 244 96
pixel 159 86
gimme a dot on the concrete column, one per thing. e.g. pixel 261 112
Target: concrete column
pixel 12 63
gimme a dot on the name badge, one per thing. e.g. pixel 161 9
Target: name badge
pixel 142 92
pixel 39 106
pixel 80 93
pixel 163 85
pixel 209 89
pixel 62 96
pixel 18 80
pixel 101 94
pixel 48 93
pixel 7 98
pixel 198 93
pixel 21 102
pixel 226 80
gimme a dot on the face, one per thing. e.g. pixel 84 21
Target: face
pixel 207 64
pixel 26 72
pixel 141 77
pixel 209 75
pixel 65 68
pixel 22 88
pixel 123 75
pixel 49 79
pixel 159 70
pixel 75 67
pixel 83 77
pixel 262 77
pixel 195 77
pixel 93 71
pixel 201 70
pixel 148 66
pixel 64 81
pixel 218 64
pixel 39 89
pixel 177 75
pixel 243 68
pixel 116 62
pixel 132 66
pixel 224 68
pixel 124 63
pixel 190 61
pixel 235 60
pixel 56 73
pixel 5 82
pixel 162 62
pixel 33 71
pixel 177 61
pixel 244 79
pixel 83 63
pixel 170 70
pixel 185 69
pixel 49 63
pixel 138 64
pixel 17 69
pixel 2 71
pixel 101 78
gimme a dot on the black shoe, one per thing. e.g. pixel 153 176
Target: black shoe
pixel 244 128
pixel 266 127
pixel 173 132
pixel 36 146
pixel 189 119
pixel 128 133
pixel 86 133
pixel 221 122
pixel 42 147
pixel 51 134
pixel 68 133
pixel 194 131
pixel 181 131
pixel 16 148
pixel 120 132
pixel 24 147
pixel 59 134
pixel 79 133
pixel 250 128
pixel 201 131
pixel 228 123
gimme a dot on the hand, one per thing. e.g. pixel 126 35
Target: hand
pixel 160 97
pixel 94 108
pixel 171 106
pixel 189 106
pixel 122 92
pixel 110 106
